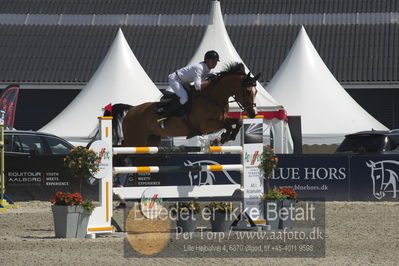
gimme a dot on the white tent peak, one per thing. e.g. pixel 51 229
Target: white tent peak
pixel 306 87
pixel 216 38
pixel 119 79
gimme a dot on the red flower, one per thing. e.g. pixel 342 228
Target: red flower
pixel 67 199
pixel 288 191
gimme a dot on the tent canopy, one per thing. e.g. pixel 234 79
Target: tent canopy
pixel 306 87
pixel 119 79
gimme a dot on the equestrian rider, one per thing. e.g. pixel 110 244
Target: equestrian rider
pixel 196 74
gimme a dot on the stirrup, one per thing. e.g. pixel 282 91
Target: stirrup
pixel 161 122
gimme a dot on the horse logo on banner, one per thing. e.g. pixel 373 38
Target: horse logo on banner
pixel 384 176
pixel 199 178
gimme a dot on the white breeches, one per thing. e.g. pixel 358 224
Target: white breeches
pixel 177 87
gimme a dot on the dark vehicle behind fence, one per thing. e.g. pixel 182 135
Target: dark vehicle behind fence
pixel 370 142
pixel 34 167
pixel 19 142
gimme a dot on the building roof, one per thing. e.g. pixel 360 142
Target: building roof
pixel 71 54
pixel 194 6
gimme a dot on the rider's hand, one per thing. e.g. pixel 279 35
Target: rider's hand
pixel 205 83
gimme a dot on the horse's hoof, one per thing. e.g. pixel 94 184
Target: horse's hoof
pixel 224 139
pixel 216 142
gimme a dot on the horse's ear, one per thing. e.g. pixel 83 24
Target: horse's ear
pixel 257 76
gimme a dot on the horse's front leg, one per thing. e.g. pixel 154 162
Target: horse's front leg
pixel 236 124
pixel 232 126
pixel 225 137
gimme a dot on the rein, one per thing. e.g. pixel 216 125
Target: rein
pixel 239 104
pixel 245 83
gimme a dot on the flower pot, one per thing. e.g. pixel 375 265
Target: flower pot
pixel 186 222
pixel 221 221
pixel 287 212
pixel 70 221
pixel 271 212
pixel 83 223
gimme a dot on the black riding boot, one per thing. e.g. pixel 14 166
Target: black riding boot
pixel 170 109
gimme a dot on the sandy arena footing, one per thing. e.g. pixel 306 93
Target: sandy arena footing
pixel 357 233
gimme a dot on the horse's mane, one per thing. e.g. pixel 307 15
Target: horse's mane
pixel 235 68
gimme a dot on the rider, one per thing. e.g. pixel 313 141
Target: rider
pixel 196 74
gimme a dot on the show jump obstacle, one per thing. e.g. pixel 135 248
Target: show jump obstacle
pixel 251 186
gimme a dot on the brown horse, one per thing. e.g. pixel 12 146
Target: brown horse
pixel 208 112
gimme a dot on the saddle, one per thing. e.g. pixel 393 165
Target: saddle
pixel 169 105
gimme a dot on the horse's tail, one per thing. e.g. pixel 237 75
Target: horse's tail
pixel 118 113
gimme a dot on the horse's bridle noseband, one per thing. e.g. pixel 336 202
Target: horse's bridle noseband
pixel 239 104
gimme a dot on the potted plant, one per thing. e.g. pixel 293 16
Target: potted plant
pixel 271 198
pixel 221 216
pixel 70 212
pixel 82 163
pixel 184 213
pixel 272 202
pixel 288 206
pixel 268 163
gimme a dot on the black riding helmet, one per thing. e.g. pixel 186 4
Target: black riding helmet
pixel 211 55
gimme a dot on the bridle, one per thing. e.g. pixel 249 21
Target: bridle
pixel 245 84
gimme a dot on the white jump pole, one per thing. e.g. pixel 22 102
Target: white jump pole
pixel 154 150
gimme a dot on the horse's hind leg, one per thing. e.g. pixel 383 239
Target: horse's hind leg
pixel 134 139
pixel 154 141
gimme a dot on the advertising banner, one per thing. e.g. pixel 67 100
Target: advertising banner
pixel 331 177
pixel 40 177
pixel 192 178
pixel 144 179
pixel 374 178
pixel 314 176
pixel 197 178
pixel 8 105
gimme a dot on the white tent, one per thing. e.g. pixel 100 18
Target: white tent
pixel 119 79
pixel 306 87
pixel 216 38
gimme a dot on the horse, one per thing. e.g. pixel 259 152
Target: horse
pixel 208 114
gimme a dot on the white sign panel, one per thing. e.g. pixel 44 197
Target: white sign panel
pixel 253 179
pixel 104 151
